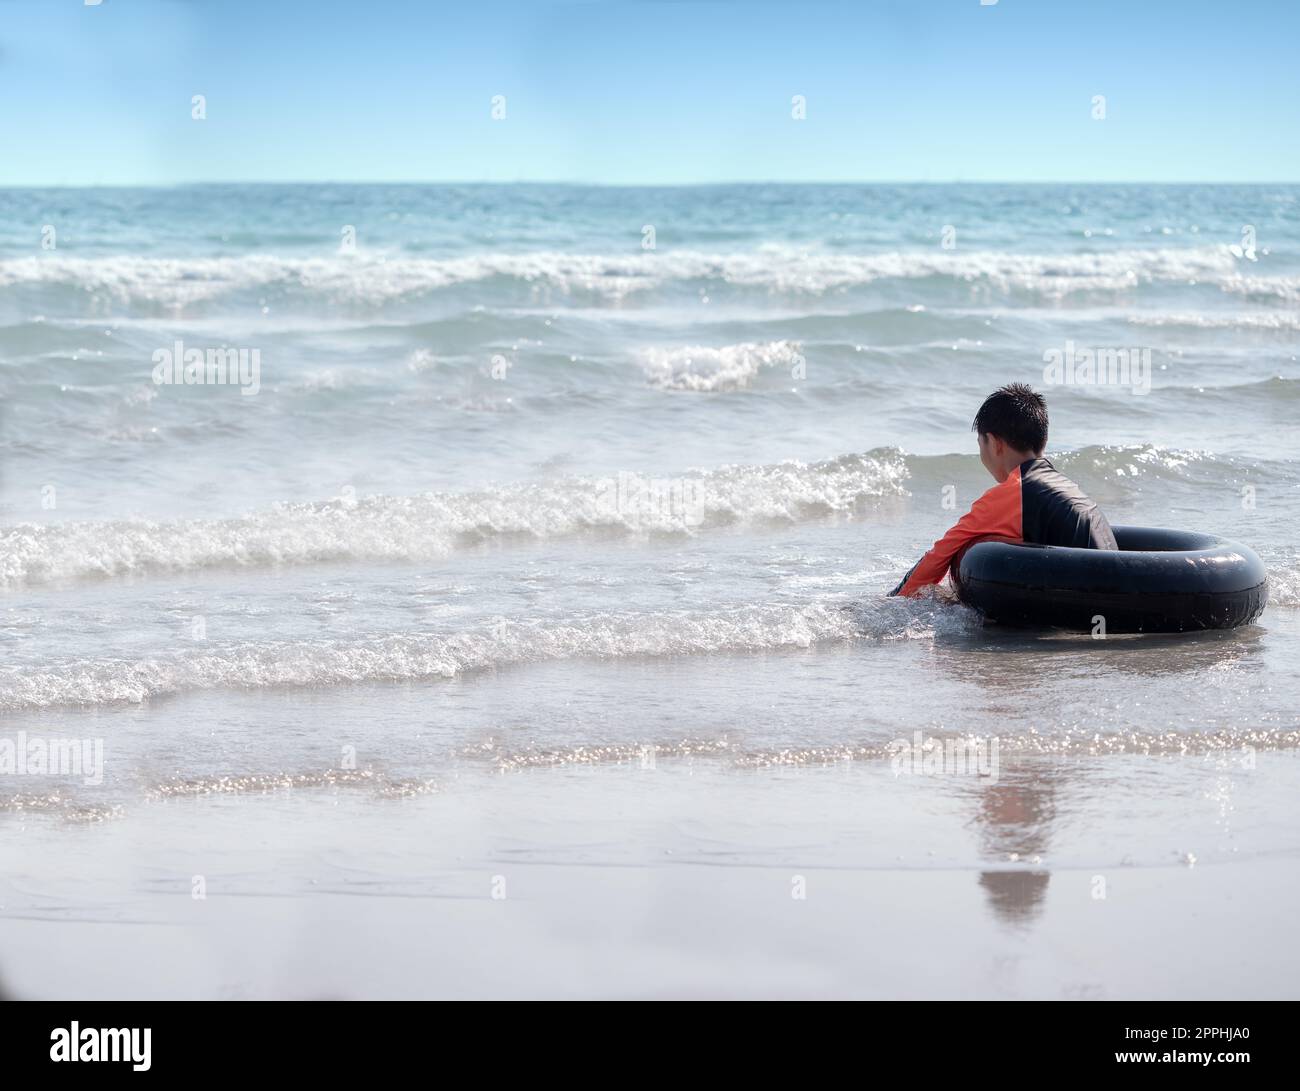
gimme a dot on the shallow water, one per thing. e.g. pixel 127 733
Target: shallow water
pixel 518 496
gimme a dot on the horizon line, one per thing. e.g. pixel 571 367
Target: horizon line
pixel 638 185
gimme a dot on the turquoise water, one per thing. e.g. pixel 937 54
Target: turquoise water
pixel 576 491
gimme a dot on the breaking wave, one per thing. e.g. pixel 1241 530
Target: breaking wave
pixel 409 528
pixel 371 280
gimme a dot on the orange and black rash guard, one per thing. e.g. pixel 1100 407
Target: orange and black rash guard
pixel 1036 503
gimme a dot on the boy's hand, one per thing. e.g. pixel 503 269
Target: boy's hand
pixel 903 581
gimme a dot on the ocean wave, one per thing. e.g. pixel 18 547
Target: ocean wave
pixel 1275 390
pixel 1282 321
pixel 1284 583
pixel 1146 460
pixel 428 526
pixel 416 657
pixel 1112 463
pixel 731 367
pixel 1265 289
pixel 1127 463
pixel 378 279
pixel 1130 472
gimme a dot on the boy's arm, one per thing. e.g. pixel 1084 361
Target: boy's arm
pixel 996 514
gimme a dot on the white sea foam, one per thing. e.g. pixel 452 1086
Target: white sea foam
pixel 414 657
pixel 1264 320
pixel 1283 288
pixel 1284 584
pixel 363 279
pixel 731 367
pixel 505 755
pixel 1113 462
pixel 406 528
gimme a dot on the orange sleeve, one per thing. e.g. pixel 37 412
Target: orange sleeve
pixel 996 514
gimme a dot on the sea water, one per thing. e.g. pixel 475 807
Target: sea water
pixel 376 490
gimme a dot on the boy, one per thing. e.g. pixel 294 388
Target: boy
pixel 1032 502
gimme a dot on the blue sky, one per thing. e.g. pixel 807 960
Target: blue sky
pixel 648 92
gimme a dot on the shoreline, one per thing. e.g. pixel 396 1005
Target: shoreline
pixel 688 881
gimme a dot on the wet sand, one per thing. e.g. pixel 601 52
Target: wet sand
pixel 1066 879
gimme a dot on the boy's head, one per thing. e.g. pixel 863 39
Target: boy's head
pixel 1012 427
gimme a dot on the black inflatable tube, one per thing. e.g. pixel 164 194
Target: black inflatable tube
pixel 1159 581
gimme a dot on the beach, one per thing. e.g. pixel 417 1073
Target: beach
pixel 496 607
pixel 687 881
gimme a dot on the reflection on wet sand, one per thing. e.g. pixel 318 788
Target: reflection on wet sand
pixel 1014 820
pixel 1017 814
pixel 1015 897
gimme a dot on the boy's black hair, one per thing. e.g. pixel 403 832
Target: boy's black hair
pixel 1015 414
